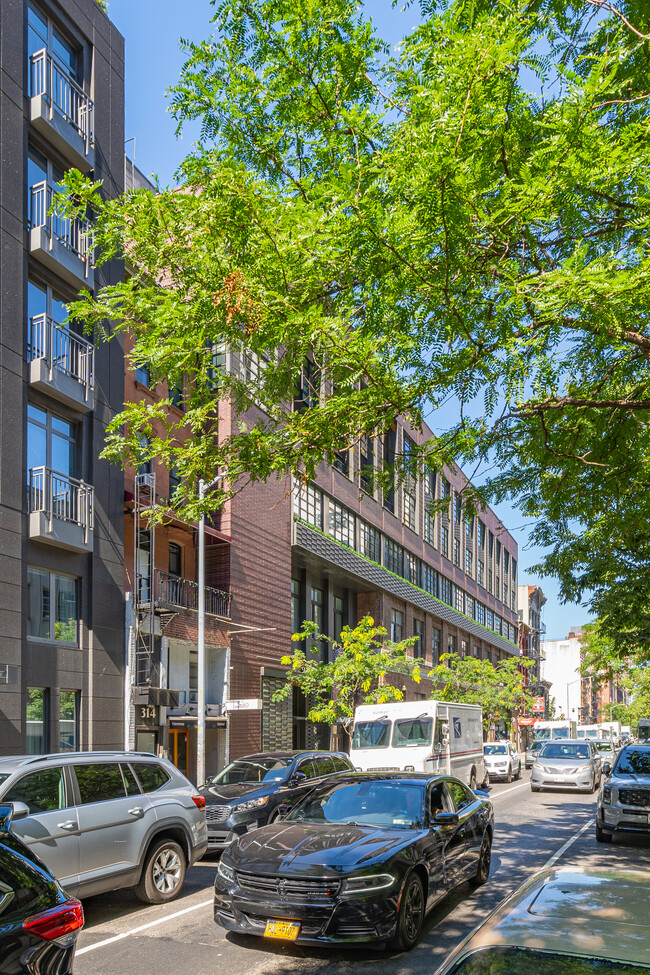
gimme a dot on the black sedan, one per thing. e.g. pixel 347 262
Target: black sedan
pixel 361 859
pixel 256 789
pixel 39 923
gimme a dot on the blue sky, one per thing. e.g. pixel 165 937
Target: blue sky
pixel 152 30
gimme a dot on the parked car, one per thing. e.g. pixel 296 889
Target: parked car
pixel 361 859
pixel 571 764
pixel 563 920
pixel 105 820
pixel 624 800
pixel 608 750
pixel 502 761
pixel 256 789
pixel 39 923
pixel 533 751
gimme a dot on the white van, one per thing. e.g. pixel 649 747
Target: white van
pixel 555 729
pixel 420 736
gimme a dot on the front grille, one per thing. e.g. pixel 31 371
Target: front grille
pixel 216 814
pixel 308 926
pixel 301 890
pixel 356 929
pixel 634 797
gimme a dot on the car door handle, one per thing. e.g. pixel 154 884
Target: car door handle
pixel 136 811
pixel 69 824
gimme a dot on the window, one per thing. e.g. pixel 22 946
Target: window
pixel 324 765
pixel 369 542
pixel 68 721
pixel 409 510
pixel 43 791
pixel 143 374
pixel 296 611
pixel 41 33
pixel 458 509
pixel 429 579
pixel 36 721
pixel 444 541
pixel 469 526
pixel 48 338
pixel 459 600
pixel 445 590
pixel 476 650
pixel 418 631
pixel 480 614
pixel 318 608
pixel 457 551
pixel 393 557
pixel 410 483
pixel 52 612
pixel 308 504
pixel 51 442
pixel 460 794
pixel 143 566
pixel 505 592
pixel 342 462
pixel 436 643
pixel 366 463
pixel 513 565
pixel 339 617
pixel 490 545
pixel 396 625
pixel 412 731
pixel 308 388
pixel 390 441
pixel 176 395
pixel 412 567
pixel 307 768
pixel 469 606
pixel 132 787
pixel 497 624
pixel 481 573
pixel 489 619
pixel 429 516
pixel 371 734
pixel 451 644
pixel 341 523
pixel 468 562
pixel 99 782
pixel 481 535
pixel 174 480
pixel 175 559
pixel 152 777
pixel 489 580
pixel 463 649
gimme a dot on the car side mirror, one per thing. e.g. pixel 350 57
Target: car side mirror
pixel 297 778
pixel 21 810
pixel 445 819
pixel 607 768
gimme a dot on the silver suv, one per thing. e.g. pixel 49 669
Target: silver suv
pixel 105 820
pixel 624 800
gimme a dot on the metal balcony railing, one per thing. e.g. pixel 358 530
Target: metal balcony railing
pixel 173 591
pixel 73 234
pixel 62 94
pixel 62 349
pixel 62 497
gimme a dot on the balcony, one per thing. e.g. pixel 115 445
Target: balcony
pixel 61 363
pixel 62 245
pixel 172 593
pixel 60 510
pixel 61 110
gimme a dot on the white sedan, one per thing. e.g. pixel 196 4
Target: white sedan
pixel 502 761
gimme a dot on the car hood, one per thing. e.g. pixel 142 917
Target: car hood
pixel 629 779
pixel 308 848
pixel 228 793
pixel 563 762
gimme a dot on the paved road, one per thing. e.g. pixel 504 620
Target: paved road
pixel 123 937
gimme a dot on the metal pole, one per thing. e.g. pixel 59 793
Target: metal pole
pixel 200 724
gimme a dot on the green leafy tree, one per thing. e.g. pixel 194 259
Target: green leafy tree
pixel 462 220
pixel 601 661
pixel 362 670
pixel 501 691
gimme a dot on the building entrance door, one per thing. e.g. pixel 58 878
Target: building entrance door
pixel 178 748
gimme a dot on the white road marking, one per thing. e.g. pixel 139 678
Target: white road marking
pixel 143 927
pixel 570 842
pixel 511 789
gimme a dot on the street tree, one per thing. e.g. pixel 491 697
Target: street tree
pixel 500 690
pixel 602 661
pixel 457 228
pixel 361 668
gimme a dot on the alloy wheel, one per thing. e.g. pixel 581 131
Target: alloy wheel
pixel 414 909
pixel 167 871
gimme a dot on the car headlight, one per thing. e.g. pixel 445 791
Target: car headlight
pixel 584 768
pixel 250 804
pixel 607 793
pixel 226 872
pixel 368 884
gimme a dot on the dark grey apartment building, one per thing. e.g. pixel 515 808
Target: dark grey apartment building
pixel 61 508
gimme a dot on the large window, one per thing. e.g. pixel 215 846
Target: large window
pixel 342 462
pixel 410 483
pixel 444 541
pixel 175 559
pixel 296 611
pixel 308 388
pixel 396 625
pixel 51 442
pixel 429 579
pixel 339 616
pixel 436 643
pixel 457 552
pixel 445 590
pixel 318 608
pixel 369 542
pixel 366 463
pixel 481 573
pixel 341 523
pixel 68 721
pixel 393 557
pixel 412 566
pixel 418 633
pixel 42 33
pixel 308 505
pixel 36 718
pixel 52 606
pixel 390 441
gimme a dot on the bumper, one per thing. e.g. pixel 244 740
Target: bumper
pixel 575 782
pixel 497 773
pixel 341 922
pixel 628 820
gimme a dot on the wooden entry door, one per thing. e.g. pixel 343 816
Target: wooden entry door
pixel 178 748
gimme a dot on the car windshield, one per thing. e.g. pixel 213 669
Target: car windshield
pixel 559 750
pixel 371 734
pixel 397 804
pixel 523 961
pixel 604 746
pixel 535 745
pixel 495 749
pixel 412 731
pixel 633 761
pixel 252 770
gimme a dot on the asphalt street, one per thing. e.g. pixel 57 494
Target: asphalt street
pixel 122 936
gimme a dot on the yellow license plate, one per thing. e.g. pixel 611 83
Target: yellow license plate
pixel 282 929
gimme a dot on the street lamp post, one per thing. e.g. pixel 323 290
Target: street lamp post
pixel 570 684
pixel 200 643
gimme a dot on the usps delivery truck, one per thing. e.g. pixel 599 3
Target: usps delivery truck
pixel 420 736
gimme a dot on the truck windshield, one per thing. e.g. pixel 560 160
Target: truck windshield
pixel 371 734
pixel 412 731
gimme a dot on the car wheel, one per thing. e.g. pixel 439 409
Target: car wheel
pixel 518 775
pixel 411 914
pixel 509 774
pixel 602 835
pixel 472 779
pixel 484 861
pixel 163 873
pixel 534 788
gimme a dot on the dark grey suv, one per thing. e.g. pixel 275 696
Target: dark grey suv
pixel 256 789
pixel 106 820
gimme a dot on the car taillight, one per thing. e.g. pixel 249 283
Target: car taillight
pixel 59 924
pixel 199 801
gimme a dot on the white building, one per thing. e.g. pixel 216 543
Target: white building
pixel 560 666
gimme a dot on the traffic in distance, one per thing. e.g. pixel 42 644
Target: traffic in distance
pixel 324 849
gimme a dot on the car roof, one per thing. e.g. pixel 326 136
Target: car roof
pixel 421 778
pixel 601 912
pixel 289 753
pixel 9 763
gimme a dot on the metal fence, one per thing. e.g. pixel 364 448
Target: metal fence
pixel 62 349
pixel 63 94
pixel 62 497
pixel 73 234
